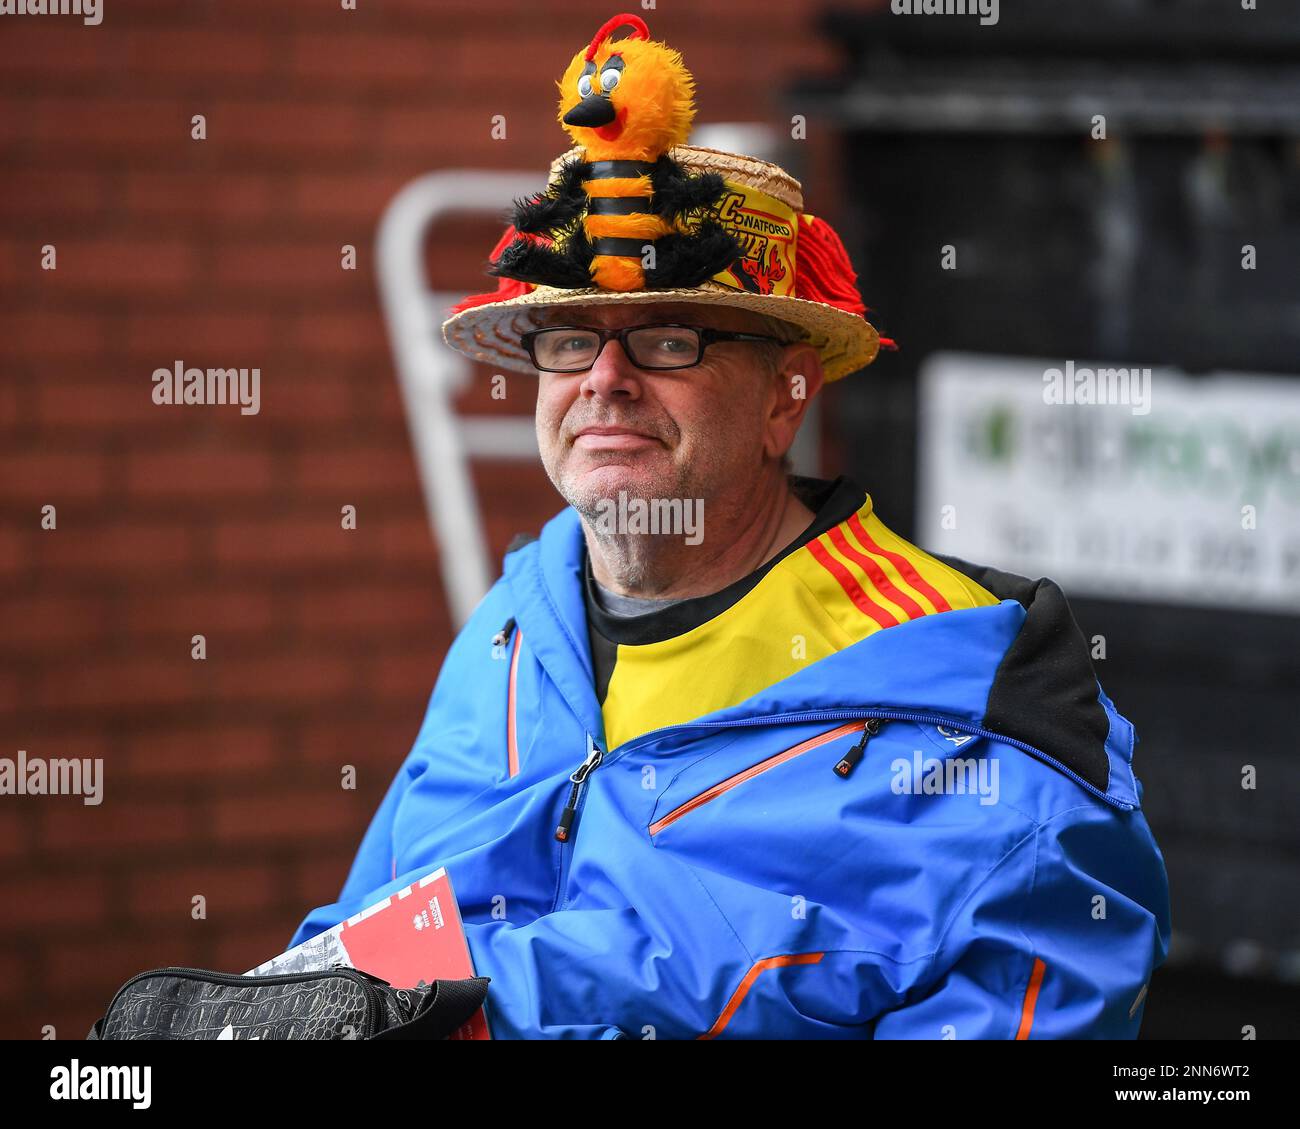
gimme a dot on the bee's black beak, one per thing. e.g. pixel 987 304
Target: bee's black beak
pixel 593 110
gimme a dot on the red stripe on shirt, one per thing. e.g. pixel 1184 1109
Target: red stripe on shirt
pixel 882 582
pixel 851 587
pixel 905 567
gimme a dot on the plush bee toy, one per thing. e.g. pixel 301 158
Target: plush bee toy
pixel 625 103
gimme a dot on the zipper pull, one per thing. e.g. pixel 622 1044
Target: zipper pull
pixel 502 637
pixel 849 761
pixel 578 778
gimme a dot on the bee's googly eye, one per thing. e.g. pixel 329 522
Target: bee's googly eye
pixel 584 86
pixel 609 79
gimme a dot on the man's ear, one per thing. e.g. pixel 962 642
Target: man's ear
pixel 798 379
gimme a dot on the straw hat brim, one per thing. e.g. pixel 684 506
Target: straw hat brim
pixel 490 333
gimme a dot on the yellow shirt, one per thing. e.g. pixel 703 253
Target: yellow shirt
pixel 824 592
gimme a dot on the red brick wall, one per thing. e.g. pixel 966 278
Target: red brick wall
pixel 222 777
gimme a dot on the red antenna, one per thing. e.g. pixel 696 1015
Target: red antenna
pixel 611 25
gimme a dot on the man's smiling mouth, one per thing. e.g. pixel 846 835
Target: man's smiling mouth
pixel 607 437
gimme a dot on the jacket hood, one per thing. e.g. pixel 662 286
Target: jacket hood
pixel 1019 670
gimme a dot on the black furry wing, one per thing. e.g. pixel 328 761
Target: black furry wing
pixel 545 266
pixel 677 192
pixel 559 206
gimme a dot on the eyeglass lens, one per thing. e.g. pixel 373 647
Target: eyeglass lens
pixel 648 346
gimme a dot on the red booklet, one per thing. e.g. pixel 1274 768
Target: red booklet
pixel 410 938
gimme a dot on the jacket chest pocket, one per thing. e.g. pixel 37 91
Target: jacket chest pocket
pixel 752 770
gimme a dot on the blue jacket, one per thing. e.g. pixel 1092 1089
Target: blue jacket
pixel 932 833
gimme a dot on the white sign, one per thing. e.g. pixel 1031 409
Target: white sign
pixel 1137 484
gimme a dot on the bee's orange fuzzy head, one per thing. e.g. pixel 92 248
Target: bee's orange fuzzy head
pixel 629 99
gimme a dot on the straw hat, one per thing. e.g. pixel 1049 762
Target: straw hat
pixel 791 265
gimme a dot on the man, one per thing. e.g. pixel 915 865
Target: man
pixel 772 771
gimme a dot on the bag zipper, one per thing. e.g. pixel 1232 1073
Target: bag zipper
pixel 367 980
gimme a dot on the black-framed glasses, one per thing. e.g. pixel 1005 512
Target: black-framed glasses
pixel 574 348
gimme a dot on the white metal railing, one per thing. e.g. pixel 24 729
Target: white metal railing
pixel 430 374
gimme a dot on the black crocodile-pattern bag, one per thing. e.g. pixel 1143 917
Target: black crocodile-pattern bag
pixel 337 1003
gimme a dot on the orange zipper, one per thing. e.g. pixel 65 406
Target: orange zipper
pixel 753 770
pixel 512 724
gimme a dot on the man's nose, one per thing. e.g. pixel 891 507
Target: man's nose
pixel 612 374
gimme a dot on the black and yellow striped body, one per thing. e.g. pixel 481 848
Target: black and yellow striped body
pixel 619 223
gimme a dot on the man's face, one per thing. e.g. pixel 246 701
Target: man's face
pixel 681 433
